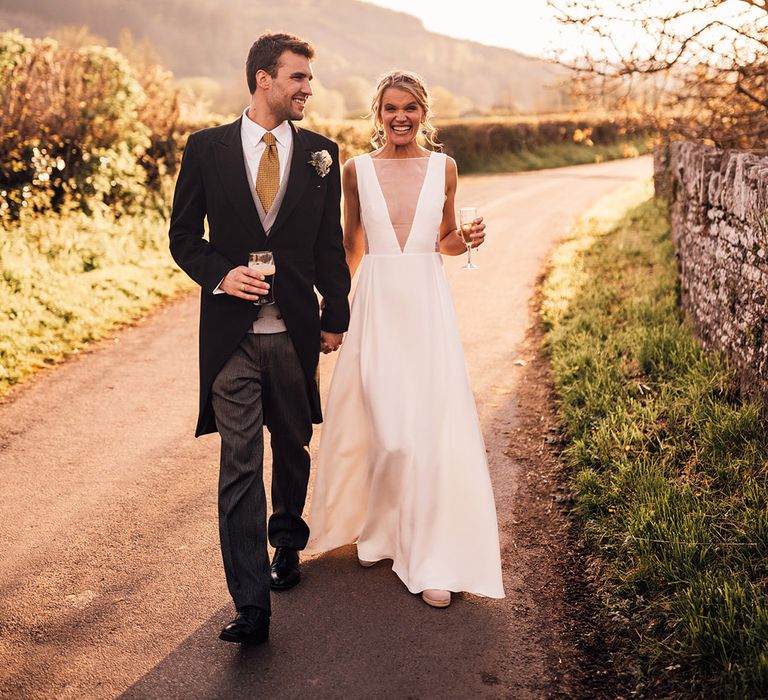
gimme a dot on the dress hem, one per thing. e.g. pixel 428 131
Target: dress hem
pixel 453 588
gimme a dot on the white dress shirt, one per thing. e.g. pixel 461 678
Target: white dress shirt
pixel 251 134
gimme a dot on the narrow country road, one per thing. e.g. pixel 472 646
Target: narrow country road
pixel 111 582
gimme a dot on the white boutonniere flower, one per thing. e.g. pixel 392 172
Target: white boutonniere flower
pixel 322 161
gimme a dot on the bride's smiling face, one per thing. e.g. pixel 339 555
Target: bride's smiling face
pixel 401 116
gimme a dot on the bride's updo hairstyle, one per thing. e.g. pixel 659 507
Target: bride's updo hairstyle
pixel 410 82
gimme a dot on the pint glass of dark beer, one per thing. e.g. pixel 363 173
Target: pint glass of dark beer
pixel 263 262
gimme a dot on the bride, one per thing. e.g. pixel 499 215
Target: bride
pixel 401 465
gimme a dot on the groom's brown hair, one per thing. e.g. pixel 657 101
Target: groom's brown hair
pixel 266 51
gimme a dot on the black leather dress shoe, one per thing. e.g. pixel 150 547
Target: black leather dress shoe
pixel 251 626
pixel 285 569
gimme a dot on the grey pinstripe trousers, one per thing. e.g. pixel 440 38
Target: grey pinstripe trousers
pixel 262 384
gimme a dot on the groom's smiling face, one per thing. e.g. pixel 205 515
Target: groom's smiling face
pixel 289 89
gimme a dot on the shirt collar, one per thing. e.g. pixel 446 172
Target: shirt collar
pixel 254 132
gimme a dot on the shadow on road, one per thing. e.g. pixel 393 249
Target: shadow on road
pixel 363 635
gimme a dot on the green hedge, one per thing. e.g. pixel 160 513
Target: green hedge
pixel 475 144
pixel 499 145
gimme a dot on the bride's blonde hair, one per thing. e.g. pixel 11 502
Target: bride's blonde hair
pixel 410 82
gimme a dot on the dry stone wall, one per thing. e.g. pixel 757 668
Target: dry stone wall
pixel 719 219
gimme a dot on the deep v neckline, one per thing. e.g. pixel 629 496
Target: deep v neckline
pixel 418 203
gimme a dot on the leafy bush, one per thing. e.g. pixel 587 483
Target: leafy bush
pixel 81 131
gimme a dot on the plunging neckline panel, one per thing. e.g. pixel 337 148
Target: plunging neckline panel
pixel 402 248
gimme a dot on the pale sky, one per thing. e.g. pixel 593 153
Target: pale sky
pixel 530 27
pixel 524 25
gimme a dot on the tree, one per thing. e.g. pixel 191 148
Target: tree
pixel 200 100
pixel 357 93
pixel 447 105
pixel 158 111
pixel 75 36
pixel 325 103
pixel 700 70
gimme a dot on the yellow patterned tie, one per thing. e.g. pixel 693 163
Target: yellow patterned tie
pixel 268 177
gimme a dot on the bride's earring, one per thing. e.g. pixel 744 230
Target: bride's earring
pixel 424 131
pixel 381 132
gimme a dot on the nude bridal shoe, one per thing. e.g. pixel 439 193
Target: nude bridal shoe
pixel 436 598
pixel 365 564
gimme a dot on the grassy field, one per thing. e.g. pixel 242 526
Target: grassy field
pixel 669 467
pixel 67 281
pixel 555 156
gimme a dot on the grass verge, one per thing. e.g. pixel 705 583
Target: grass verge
pixel 669 467
pixel 67 281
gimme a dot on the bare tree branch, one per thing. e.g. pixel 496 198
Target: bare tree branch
pixel 702 69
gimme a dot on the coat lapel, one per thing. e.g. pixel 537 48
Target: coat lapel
pixel 231 166
pixel 298 179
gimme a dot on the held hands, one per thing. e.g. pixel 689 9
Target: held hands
pixel 244 283
pixel 330 342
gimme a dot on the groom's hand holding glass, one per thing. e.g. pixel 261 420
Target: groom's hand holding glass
pixel 244 283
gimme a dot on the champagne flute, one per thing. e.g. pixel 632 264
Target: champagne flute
pixel 263 262
pixel 467 216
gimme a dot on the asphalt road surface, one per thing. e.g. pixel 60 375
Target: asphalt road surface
pixel 111 582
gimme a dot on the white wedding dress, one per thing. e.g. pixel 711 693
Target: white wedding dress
pixel 401 467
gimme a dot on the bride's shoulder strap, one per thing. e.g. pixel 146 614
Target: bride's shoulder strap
pixel 362 163
pixel 441 163
pixel 363 172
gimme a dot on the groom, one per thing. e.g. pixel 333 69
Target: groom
pixel 263 184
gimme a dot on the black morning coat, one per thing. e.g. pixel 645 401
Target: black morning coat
pixel 306 241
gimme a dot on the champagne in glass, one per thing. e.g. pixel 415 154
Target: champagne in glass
pixel 467 216
pixel 263 262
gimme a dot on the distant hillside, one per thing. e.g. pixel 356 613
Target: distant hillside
pixel 356 42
